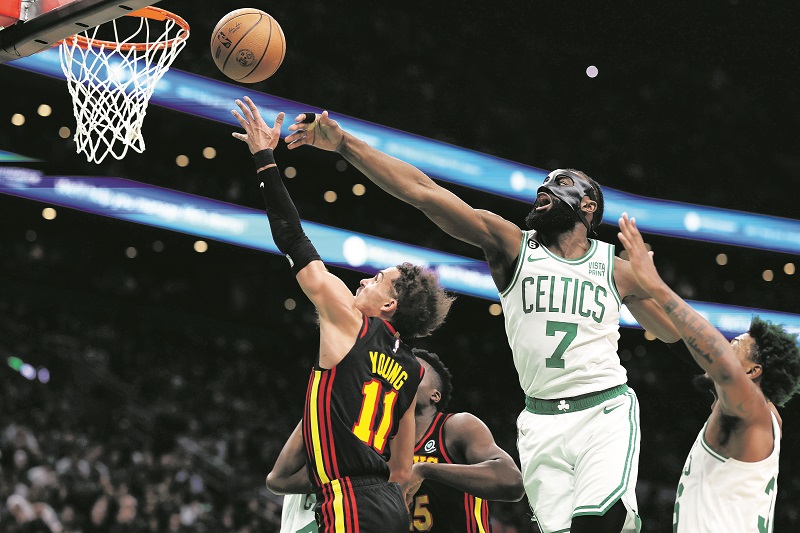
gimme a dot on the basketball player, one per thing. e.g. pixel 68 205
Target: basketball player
pixel 457 465
pixel 729 481
pixel 358 422
pixel 561 291
pixel 290 478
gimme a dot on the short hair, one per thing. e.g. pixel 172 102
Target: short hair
pixel 777 352
pixel 422 303
pixel 598 193
pixel 446 385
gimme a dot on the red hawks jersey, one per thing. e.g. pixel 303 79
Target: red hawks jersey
pixel 353 410
pixel 440 508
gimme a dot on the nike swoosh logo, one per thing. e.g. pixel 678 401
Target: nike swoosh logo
pixel 609 409
pixel 532 259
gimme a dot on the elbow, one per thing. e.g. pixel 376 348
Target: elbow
pixel 512 489
pixel 517 489
pixel 274 484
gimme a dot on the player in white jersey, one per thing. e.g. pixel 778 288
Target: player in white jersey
pixel 729 481
pixel 561 291
pixel 297 515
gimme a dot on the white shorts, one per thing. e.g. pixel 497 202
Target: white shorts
pixel 581 462
pixel 298 514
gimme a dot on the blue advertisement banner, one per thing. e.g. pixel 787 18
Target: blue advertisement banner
pixel 211 99
pixel 212 219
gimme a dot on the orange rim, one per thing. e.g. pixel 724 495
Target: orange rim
pixel 150 12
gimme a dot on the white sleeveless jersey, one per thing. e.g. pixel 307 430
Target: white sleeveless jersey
pixel 298 514
pixel 719 494
pixel 562 321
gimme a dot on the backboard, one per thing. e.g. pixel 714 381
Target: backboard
pixel 30 26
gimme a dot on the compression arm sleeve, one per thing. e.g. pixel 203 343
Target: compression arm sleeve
pixel 284 221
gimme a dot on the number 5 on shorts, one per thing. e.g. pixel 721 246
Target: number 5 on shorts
pixel 570 330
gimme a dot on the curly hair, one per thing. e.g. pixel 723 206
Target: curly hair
pixel 598 197
pixel 422 304
pixel 445 385
pixel 777 352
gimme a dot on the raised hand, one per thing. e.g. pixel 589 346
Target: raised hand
pixel 258 135
pixel 323 133
pixel 640 258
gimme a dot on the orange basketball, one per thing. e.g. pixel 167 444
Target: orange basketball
pixel 248 45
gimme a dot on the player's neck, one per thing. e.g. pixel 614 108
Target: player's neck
pixel 423 421
pixel 570 244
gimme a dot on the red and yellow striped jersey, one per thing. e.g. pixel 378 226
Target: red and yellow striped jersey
pixel 439 508
pixel 353 410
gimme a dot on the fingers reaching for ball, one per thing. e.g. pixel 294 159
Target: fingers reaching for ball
pixel 258 135
pixel 317 130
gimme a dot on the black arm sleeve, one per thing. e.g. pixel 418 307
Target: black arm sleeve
pixel 284 221
pixel 682 351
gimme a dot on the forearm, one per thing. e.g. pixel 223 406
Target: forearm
pixel 284 221
pixel 706 344
pixel 652 318
pixel 297 483
pixel 398 178
pixel 490 480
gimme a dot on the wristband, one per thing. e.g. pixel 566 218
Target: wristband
pixel 263 158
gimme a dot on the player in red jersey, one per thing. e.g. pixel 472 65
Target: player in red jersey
pixel 358 423
pixel 457 465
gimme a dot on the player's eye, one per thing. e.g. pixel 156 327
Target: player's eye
pixel 565 181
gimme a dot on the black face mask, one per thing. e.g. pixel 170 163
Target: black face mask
pixel 570 191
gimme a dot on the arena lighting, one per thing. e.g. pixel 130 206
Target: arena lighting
pixel 28 371
pixel 9 157
pixel 211 219
pixel 213 100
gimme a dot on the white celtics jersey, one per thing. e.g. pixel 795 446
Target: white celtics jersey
pixel 298 514
pixel 562 321
pixel 717 493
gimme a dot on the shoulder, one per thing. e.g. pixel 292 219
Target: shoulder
pixel 505 233
pixel 464 425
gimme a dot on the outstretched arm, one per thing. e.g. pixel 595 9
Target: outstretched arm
pixel 497 237
pixel 289 475
pixel 487 471
pixel 738 395
pixel 339 318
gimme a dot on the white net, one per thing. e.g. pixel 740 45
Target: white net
pixel 111 82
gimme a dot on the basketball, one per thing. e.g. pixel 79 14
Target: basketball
pixel 248 45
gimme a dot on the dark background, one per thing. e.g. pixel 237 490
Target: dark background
pixel 173 365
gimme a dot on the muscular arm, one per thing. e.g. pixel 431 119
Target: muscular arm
pixel 409 184
pixel 498 238
pixel 737 395
pixel 646 311
pixel 339 318
pixel 402 448
pixel 289 475
pixel 488 471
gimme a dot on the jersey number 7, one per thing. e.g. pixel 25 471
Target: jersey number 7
pixel 570 330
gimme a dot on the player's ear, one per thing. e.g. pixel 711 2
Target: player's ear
pixel 588 205
pixel 436 396
pixel 390 306
pixel 755 372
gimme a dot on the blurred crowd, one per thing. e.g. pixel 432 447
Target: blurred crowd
pixel 171 425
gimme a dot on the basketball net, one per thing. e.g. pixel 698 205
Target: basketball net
pixel 111 82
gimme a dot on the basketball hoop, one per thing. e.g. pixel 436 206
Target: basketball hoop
pixel 111 81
